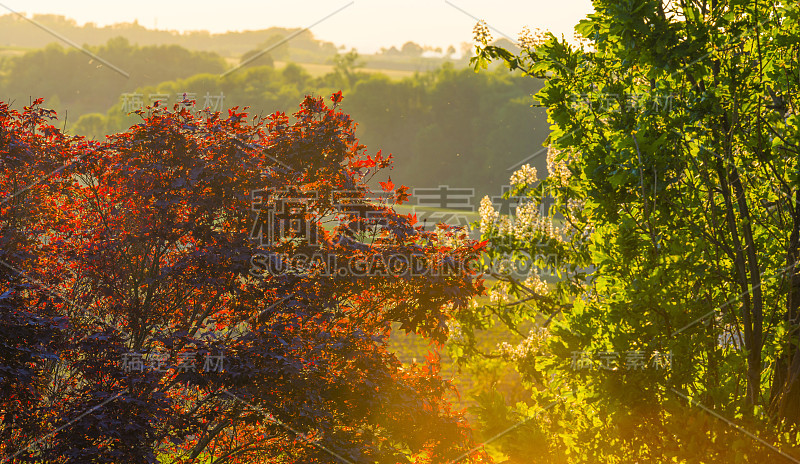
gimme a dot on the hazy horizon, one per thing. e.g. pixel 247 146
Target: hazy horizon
pixel 366 26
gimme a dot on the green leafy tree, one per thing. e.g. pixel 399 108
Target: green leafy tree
pixel 412 49
pixel 419 119
pixel 673 161
pixel 83 85
pixel 345 68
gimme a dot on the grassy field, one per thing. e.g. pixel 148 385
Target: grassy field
pixel 12 51
pixel 317 70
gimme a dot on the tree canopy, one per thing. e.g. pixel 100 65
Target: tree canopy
pixel 135 328
pixel 674 330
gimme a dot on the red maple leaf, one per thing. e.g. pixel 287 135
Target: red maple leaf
pixel 388 185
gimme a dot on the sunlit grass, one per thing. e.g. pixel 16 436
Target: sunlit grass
pixel 318 70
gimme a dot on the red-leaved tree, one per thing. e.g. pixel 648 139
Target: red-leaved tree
pixel 249 268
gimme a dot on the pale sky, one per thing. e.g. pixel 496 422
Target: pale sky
pixel 366 24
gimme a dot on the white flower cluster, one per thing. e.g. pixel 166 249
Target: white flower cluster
pixel 481 33
pixel 498 295
pixel 574 204
pixel 528 40
pixel 558 169
pixel 536 338
pixel 526 175
pixel 488 215
pixel 582 41
pixel 528 224
pixel 454 328
pixel 536 284
pixel 500 292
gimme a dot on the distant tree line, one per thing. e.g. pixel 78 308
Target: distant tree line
pixel 447 127
pixel 69 79
pixel 16 32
